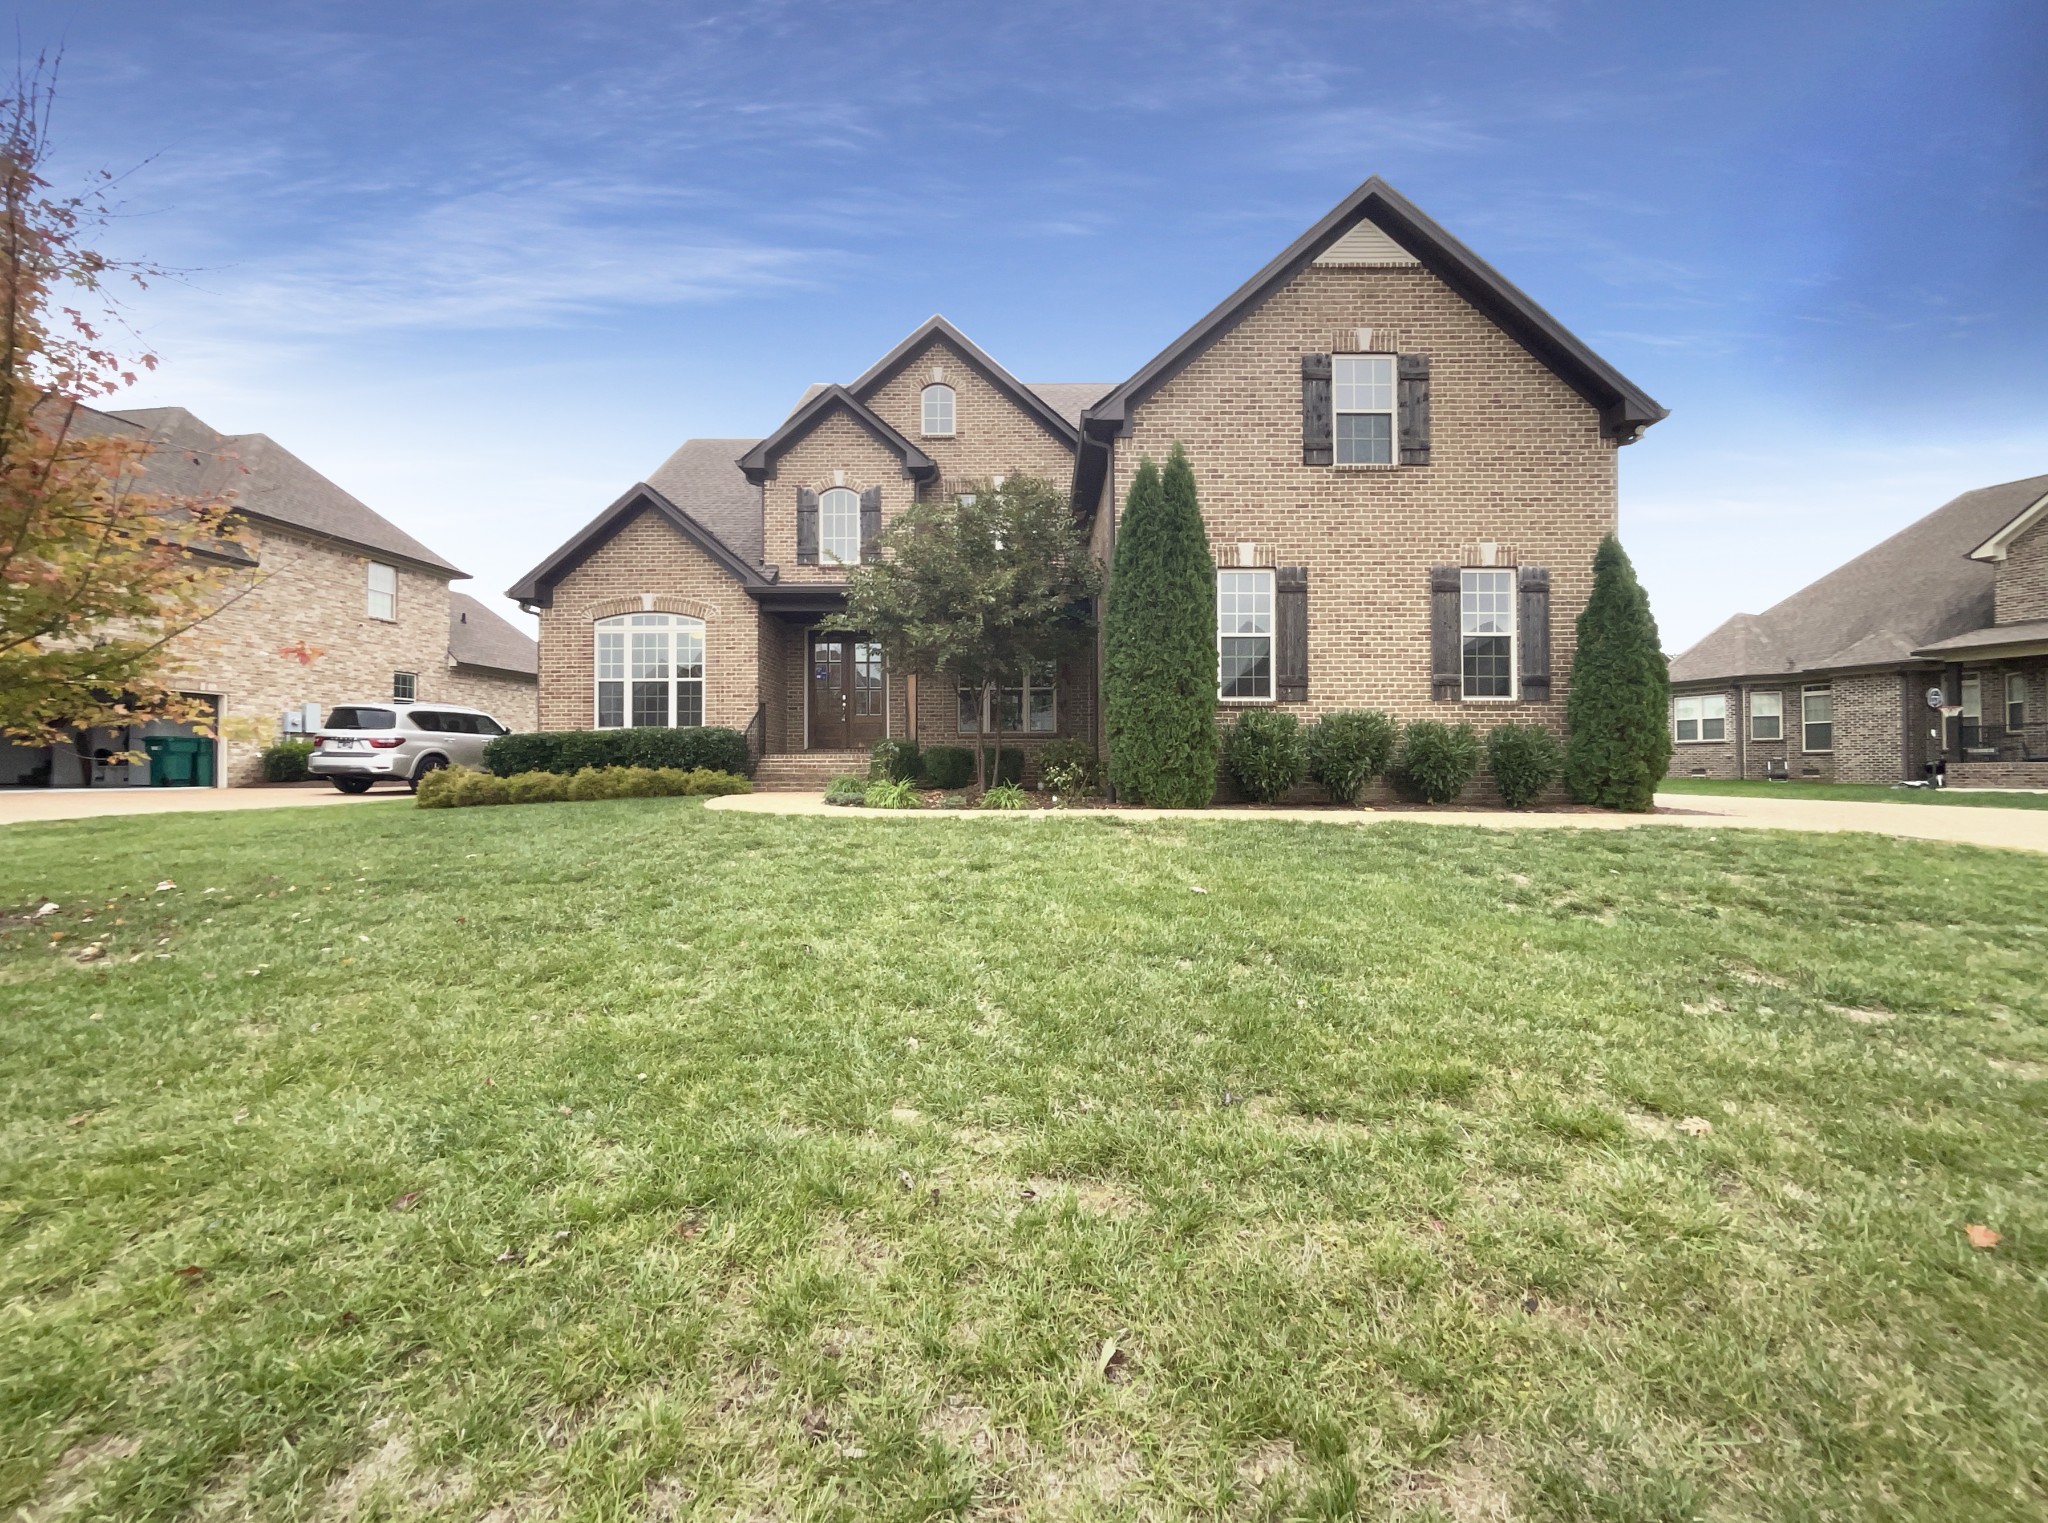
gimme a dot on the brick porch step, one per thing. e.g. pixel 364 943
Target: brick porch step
pixel 807 771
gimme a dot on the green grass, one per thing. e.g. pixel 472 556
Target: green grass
pixel 1855 793
pixel 849 1169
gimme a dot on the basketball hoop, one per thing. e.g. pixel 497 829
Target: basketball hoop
pixel 1951 710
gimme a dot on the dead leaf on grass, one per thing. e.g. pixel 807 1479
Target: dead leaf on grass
pixel 511 1256
pixel 407 1201
pixel 1696 1126
pixel 80 1119
pixel 1981 1236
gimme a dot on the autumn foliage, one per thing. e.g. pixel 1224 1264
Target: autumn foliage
pixel 98 574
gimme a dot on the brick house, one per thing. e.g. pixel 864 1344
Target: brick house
pixel 1404 466
pixel 1849 679
pixel 337 603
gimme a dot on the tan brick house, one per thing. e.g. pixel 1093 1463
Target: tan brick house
pixel 1930 648
pixel 1404 464
pixel 336 603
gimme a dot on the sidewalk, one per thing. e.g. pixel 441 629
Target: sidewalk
pixel 2014 829
pixel 21 806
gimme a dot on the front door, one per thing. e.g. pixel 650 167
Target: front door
pixel 847 693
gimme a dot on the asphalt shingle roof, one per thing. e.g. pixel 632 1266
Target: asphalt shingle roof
pixel 477 636
pixel 703 479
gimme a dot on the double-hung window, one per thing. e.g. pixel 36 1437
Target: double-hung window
pixel 1486 623
pixel 1703 716
pixel 1971 727
pixel 383 591
pixel 1766 716
pixel 936 412
pixel 650 671
pixel 1027 709
pixel 1817 718
pixel 405 686
pixel 1362 398
pixel 1244 636
pixel 2015 701
pixel 839 526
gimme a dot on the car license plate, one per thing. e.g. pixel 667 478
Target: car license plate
pixel 344 745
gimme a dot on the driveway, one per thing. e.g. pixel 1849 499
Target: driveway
pixel 2016 829
pixel 21 806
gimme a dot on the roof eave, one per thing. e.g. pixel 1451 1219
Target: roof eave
pixel 936 326
pixel 758 463
pixel 535 589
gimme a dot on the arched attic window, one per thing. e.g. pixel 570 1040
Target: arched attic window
pixel 937 412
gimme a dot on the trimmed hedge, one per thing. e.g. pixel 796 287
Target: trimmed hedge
pixel 1437 760
pixel 285 762
pixel 893 760
pixel 952 767
pixel 702 747
pixel 1262 754
pixel 463 787
pixel 1524 760
pixel 1348 749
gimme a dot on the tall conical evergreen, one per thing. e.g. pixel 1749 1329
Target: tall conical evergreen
pixel 1159 657
pixel 1618 745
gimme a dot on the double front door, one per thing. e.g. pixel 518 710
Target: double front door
pixel 847 694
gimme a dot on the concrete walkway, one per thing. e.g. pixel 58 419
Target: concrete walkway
pixel 2017 829
pixel 22 806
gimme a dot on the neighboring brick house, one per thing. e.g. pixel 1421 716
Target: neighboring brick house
pixel 336 603
pixel 1931 647
pixel 1405 467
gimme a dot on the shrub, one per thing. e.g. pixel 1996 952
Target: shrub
pixel 1079 769
pixel 901 794
pixel 285 761
pixel 846 790
pixel 536 787
pixel 457 787
pixel 1437 760
pixel 709 783
pixel 1159 645
pixel 1347 750
pixel 566 751
pixel 1524 760
pixel 1262 754
pixel 894 760
pixel 437 788
pixel 1617 720
pixel 948 766
pixel 1005 796
pixel 594 783
pixel 472 788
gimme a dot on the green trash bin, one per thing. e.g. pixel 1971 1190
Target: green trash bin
pixel 179 761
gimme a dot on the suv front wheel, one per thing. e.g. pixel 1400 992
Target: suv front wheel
pixel 427 764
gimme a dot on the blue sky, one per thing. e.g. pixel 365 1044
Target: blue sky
pixel 485 264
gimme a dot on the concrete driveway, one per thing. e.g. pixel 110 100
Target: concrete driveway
pixel 21 806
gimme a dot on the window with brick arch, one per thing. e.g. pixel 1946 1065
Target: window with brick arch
pixel 650 671
pixel 936 413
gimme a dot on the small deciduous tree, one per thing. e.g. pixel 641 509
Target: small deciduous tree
pixel 1159 658
pixel 98 575
pixel 1617 720
pixel 979 586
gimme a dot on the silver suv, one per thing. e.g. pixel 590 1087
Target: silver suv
pixel 399 742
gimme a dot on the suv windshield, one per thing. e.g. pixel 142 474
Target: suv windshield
pixel 349 718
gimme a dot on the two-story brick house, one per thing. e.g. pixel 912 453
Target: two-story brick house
pixel 1931 647
pixel 334 603
pixel 1404 465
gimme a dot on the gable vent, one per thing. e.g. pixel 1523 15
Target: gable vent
pixel 1365 244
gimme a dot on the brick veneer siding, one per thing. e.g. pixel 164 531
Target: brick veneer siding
pixel 648 557
pixel 991 436
pixel 1998 774
pixel 311 593
pixel 1517 459
pixel 835 444
pixel 2022 586
pixel 1878 733
pixel 513 700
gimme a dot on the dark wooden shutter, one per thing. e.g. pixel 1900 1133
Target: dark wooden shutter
pixel 1290 635
pixel 1412 399
pixel 870 523
pixel 1534 633
pixel 806 527
pixel 1315 409
pixel 1446 671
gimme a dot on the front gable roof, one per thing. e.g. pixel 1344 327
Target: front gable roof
pixel 1995 548
pixel 758 463
pixel 1027 399
pixel 536 588
pixel 1625 408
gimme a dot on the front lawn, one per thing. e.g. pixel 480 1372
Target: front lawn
pixel 1854 793
pixel 624 1160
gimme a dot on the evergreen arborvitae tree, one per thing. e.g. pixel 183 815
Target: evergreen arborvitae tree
pixel 1618 745
pixel 1159 658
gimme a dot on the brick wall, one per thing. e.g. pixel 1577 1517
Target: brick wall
pixel 648 556
pixel 992 435
pixel 1517 459
pixel 2023 578
pixel 313 593
pixel 835 444
pixel 1868 724
pixel 512 700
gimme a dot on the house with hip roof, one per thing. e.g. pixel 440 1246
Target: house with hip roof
pixel 1404 463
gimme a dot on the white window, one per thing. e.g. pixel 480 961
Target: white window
pixel 383 591
pixel 1031 709
pixel 937 411
pixel 1486 619
pixel 1244 636
pixel 405 686
pixel 650 671
pixel 1817 718
pixel 1363 412
pixel 2015 700
pixel 1971 730
pixel 1704 716
pixel 839 526
pixel 1766 716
